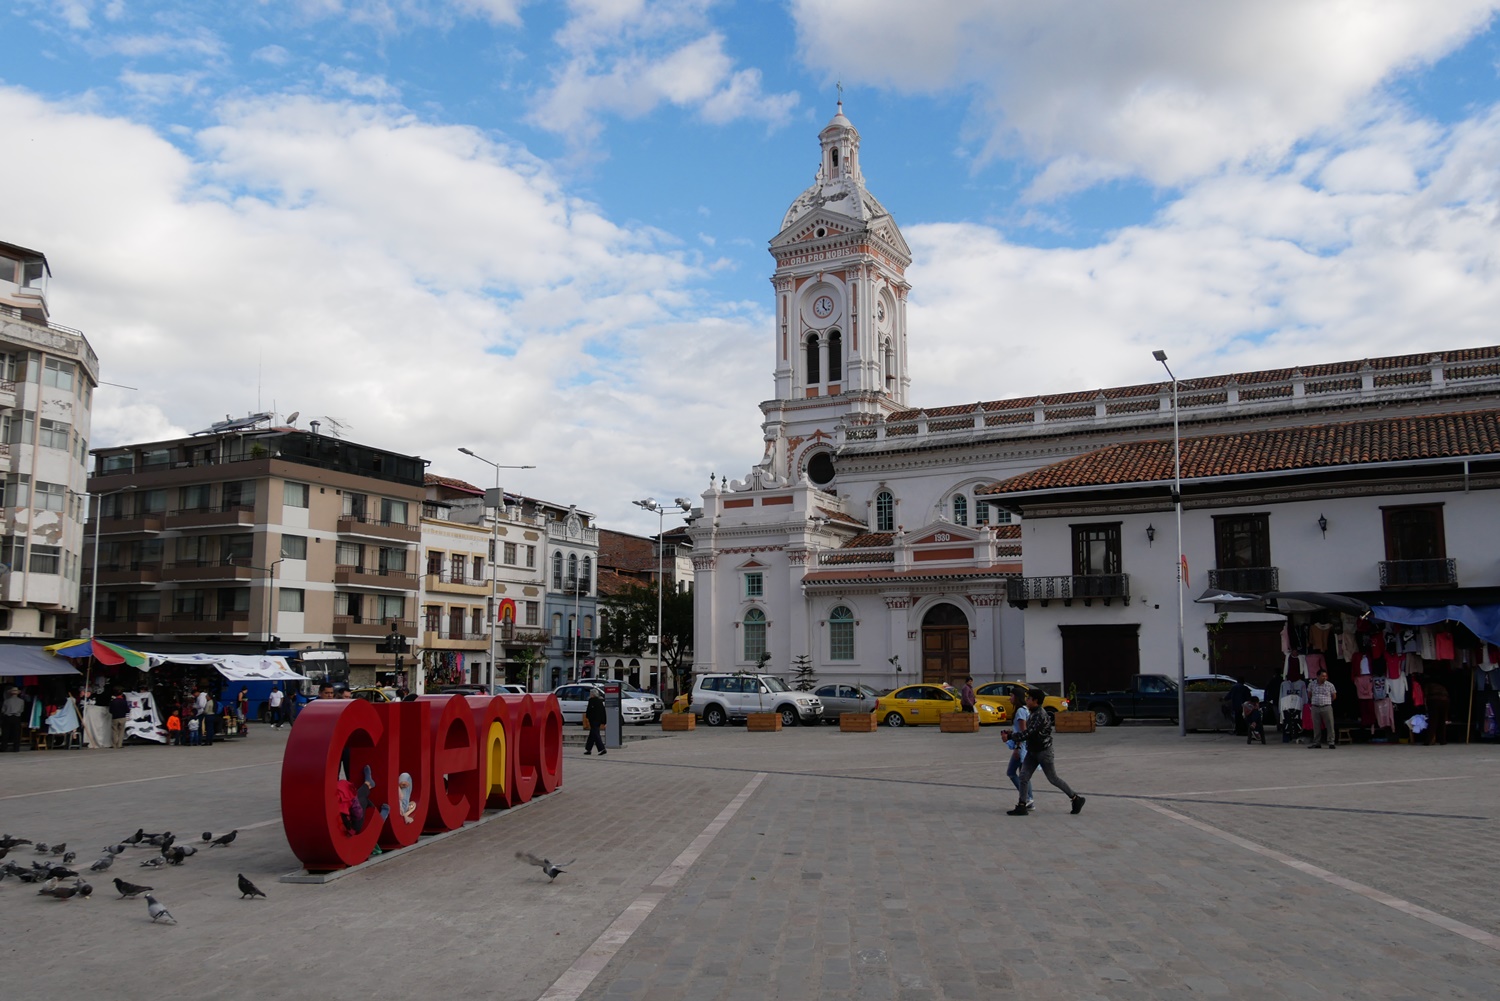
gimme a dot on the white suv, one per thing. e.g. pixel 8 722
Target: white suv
pixel 719 698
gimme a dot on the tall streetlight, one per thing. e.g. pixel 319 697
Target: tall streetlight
pixel 1161 356
pixel 94 575
pixel 494 561
pixel 661 510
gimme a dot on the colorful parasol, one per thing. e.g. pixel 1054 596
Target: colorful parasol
pixel 101 650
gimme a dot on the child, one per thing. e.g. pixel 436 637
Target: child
pixel 353 802
pixel 193 731
pixel 174 729
pixel 1254 720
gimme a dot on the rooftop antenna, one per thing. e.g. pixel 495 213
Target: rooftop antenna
pixel 291 418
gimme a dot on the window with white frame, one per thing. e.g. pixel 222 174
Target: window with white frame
pixel 510 554
pixel 755 584
pixel 885 512
pixel 53 434
pixel 754 628
pixel 533 613
pixel 960 509
pixel 294 547
pixel 557 567
pixel 294 494
pixel 58 373
pixel 50 496
pixel 841 634
pixel 293 599
pixel 45 559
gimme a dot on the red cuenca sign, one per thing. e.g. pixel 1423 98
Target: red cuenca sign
pixel 435 763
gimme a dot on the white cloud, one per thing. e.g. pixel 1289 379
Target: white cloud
pixel 629 57
pixel 358 84
pixel 273 54
pixel 426 284
pixel 160 86
pixel 1242 272
pixel 1169 90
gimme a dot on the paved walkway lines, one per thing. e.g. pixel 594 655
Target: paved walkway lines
pixel 576 979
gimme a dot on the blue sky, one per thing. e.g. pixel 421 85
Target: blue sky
pixel 539 229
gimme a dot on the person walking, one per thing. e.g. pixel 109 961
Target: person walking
pixel 1017 744
pixel 119 712
pixel 1320 695
pixel 274 702
pixel 207 707
pixel 12 710
pixel 966 695
pixel 595 714
pixel 1038 739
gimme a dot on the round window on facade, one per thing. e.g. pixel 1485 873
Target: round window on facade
pixel 820 469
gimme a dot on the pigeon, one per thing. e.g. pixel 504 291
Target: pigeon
pixel 129 889
pixel 58 849
pixel 66 892
pixel 165 841
pixel 227 839
pixel 154 862
pixel 4 852
pixel 208 835
pixel 42 847
pixel 546 865
pixel 137 837
pixel 174 856
pixel 27 877
pixel 248 889
pixel 102 864
pixel 113 850
pixel 61 872
pixel 6 841
pixel 188 851
pixel 157 911
pixel 155 840
pixel 68 857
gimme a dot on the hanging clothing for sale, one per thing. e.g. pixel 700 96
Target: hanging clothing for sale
pixel 1359 664
pixel 1292 696
pixel 1317 635
pixel 1293 670
pixel 1417 698
pixel 1378 687
pixel 1413 664
pixel 1427 643
pixel 1443 644
pixel 1396 688
pixel 1367 713
pixel 1286 638
pixel 1364 686
pixel 1312 663
pixel 1393 665
pixel 1377 644
pixel 1385 714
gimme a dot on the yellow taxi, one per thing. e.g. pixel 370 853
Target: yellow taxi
pixel 918 705
pixel 681 703
pixel 374 694
pixel 1002 691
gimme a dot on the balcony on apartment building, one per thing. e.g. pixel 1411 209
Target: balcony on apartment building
pixel 221 623
pixel 1105 587
pixel 7 400
pixel 357 576
pixel 514 635
pixel 232 515
pixel 584 645
pixel 447 582
pixel 371 627
pixel 1397 575
pixel 372 527
pixel 130 623
pixel 135 572
pixel 1246 580
pixel 228 568
pixel 454 638
pixel 144 523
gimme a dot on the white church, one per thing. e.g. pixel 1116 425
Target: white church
pixel 881 539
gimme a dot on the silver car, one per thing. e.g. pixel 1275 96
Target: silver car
pixel 574 699
pixel 845 698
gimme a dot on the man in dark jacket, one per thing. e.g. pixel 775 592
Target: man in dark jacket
pixel 594 713
pixel 1038 739
pixel 119 711
pixel 1236 699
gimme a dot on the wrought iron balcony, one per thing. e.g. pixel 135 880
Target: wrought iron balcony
pixel 1083 587
pixel 1249 580
pixel 1398 574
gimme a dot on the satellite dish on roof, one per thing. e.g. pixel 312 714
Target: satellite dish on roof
pixel 291 418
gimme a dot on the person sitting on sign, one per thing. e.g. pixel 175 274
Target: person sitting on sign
pixel 354 803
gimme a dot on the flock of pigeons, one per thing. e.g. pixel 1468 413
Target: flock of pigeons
pixel 61 882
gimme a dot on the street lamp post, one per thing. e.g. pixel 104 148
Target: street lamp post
pixel 94 573
pixel 650 504
pixel 494 562
pixel 1161 356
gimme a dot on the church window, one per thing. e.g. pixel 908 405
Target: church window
pixel 890 364
pixel 885 512
pixel 754 628
pixel 835 356
pixel 981 513
pixel 835 153
pixel 841 634
pixel 814 374
pixel 754 585
pixel 960 509
pixel 820 469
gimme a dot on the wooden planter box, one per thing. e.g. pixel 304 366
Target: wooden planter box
pixel 679 721
pixel 763 722
pixel 1075 723
pixel 959 722
pixel 856 722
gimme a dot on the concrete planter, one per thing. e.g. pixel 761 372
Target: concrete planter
pixel 856 722
pixel 1074 723
pixel 959 722
pixel 679 721
pixel 763 722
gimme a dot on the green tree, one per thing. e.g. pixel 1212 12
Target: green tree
pixel 803 678
pixel 629 620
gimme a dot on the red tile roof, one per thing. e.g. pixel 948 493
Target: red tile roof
pixel 1484 360
pixel 839 516
pixel 433 480
pixel 923 573
pixel 1391 439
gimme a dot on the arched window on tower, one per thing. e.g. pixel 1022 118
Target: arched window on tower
pixel 557 571
pixel 586 582
pixel 885 512
pixel 835 159
pixel 814 372
pixel 960 509
pixel 835 356
pixel 841 634
pixel 572 571
pixel 754 627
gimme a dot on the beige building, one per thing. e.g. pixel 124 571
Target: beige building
pixel 48 374
pixel 260 536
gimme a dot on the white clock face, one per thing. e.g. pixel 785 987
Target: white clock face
pixel 880 311
pixel 823 307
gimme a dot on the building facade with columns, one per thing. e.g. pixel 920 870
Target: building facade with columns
pixel 868 536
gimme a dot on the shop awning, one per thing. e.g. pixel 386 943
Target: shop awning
pixel 1282 602
pixel 236 667
pixel 24 661
pixel 1482 620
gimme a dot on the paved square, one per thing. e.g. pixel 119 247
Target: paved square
pixel 857 866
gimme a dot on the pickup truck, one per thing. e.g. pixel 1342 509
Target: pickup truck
pixel 1148 696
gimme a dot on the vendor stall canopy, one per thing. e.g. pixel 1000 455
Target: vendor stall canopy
pixel 18 661
pixel 111 654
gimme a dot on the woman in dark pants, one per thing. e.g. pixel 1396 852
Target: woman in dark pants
pixel 595 715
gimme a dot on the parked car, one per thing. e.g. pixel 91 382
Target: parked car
pixel 1259 693
pixel 1147 696
pixel 510 689
pixel 683 702
pixel 719 698
pixel 845 698
pixel 574 699
pixel 1005 689
pixel 645 696
pixel 463 690
pixel 916 705
pixel 374 695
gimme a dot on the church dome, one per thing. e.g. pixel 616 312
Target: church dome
pixel 839 185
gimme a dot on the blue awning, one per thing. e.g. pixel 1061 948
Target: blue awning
pixel 1483 620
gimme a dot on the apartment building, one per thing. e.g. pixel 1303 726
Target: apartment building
pixel 572 548
pixel 48 374
pixel 250 533
pixel 483 591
